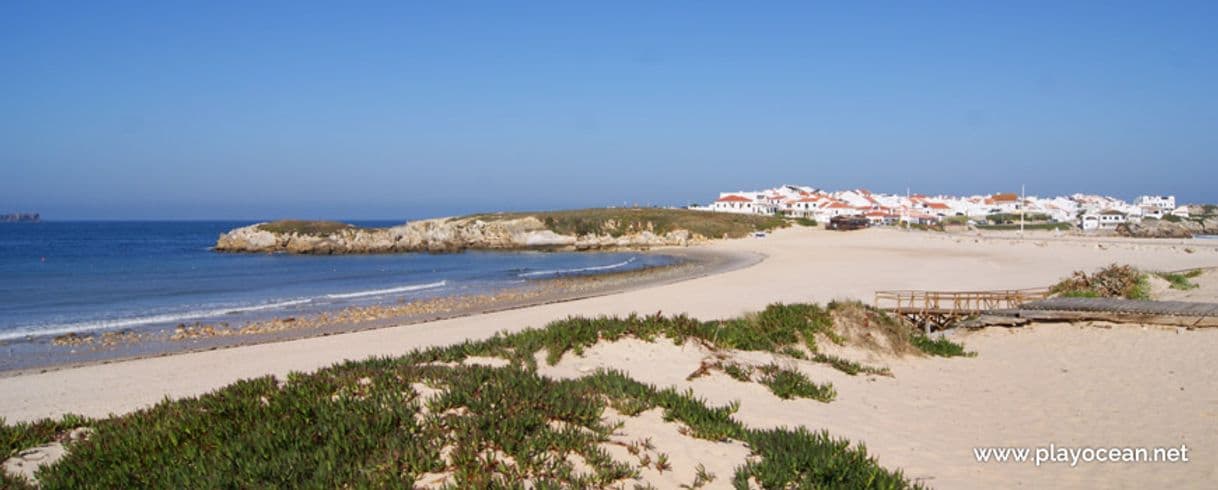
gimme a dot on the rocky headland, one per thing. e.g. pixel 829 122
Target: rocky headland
pixel 1161 228
pixel 555 231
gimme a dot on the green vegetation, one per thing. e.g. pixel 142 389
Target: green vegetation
pixel 955 220
pixel 819 462
pixel 1180 280
pixel 305 227
pixel 1171 218
pixel 852 368
pixel 924 227
pixel 941 346
pixel 789 383
pixel 388 422
pixel 602 221
pixel 1013 218
pixel 808 222
pixel 620 221
pixel 1114 281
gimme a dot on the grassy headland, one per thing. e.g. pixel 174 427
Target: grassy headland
pixel 304 227
pixel 601 221
pixel 621 221
pixel 432 415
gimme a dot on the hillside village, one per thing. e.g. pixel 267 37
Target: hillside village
pixel 1089 212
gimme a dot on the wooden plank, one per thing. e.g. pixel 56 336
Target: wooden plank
pixel 1120 317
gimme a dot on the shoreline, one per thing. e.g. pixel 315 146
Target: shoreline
pixel 125 345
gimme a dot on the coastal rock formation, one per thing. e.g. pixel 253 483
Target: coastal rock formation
pixel 20 218
pixel 1185 228
pixel 437 235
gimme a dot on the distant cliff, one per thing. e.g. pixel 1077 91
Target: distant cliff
pixel 564 230
pixel 20 218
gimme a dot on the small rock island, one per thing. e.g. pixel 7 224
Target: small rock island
pixel 20 218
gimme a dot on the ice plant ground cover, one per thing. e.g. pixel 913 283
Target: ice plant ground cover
pixel 430 416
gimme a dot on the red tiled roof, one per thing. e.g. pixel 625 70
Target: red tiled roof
pixel 733 198
pixel 937 205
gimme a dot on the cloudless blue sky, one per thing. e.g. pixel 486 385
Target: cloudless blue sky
pixel 409 109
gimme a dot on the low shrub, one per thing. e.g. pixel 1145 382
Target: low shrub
pixel 940 346
pixel 1114 281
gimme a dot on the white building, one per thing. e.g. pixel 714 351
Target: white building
pixel 741 204
pixel 1164 203
pixel 1111 218
pixel 1089 210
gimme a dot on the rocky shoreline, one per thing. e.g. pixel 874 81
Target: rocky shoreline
pixel 1185 228
pixel 439 235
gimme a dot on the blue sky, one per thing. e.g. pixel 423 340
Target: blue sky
pixel 407 109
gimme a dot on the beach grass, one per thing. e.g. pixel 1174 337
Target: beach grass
pixel 386 422
pixel 1181 280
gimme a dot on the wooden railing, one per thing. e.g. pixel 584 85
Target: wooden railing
pixel 955 302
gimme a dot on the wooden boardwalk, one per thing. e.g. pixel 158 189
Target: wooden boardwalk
pixel 1179 313
pixel 941 309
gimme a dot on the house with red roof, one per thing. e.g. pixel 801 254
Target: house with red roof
pixel 743 203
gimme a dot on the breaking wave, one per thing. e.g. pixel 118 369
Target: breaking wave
pixel 557 272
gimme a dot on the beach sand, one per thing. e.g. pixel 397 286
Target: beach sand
pixel 1062 384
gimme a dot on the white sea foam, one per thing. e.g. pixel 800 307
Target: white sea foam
pixel 110 324
pixel 582 269
pixel 381 292
pixel 183 316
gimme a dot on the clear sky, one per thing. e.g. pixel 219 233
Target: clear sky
pixel 406 109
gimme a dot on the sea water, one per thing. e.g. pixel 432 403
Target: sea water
pixel 84 277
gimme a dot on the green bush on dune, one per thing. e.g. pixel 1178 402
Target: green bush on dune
pixel 369 424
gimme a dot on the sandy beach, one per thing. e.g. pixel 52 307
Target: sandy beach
pixel 1069 385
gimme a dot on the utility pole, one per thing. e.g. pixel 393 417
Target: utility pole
pixel 1023 206
pixel 905 209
